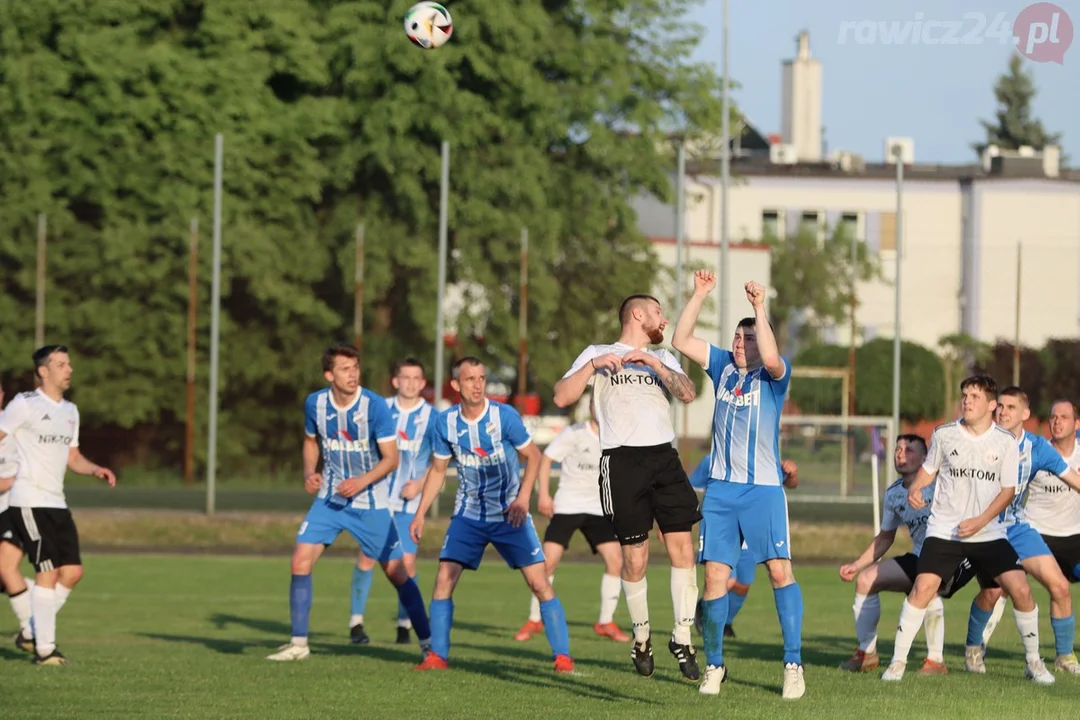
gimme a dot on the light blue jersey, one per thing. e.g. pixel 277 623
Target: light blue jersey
pixel 746 421
pixel 349 438
pixel 1036 454
pixel 413 428
pixel 486 451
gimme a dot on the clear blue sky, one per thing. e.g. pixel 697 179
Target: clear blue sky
pixel 933 93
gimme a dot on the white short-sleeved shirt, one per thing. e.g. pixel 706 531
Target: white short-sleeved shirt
pixel 633 408
pixel 1053 508
pixel 8 468
pixel 577 449
pixel 42 431
pixel 897 511
pixel 972 470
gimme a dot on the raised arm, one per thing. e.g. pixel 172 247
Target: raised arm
pixel 684 340
pixel 766 340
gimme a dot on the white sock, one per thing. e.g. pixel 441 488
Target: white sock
pixel 301 641
pixel 637 603
pixel 684 595
pixel 934 625
pixel 43 605
pixel 610 588
pixel 355 620
pixel 911 619
pixel 405 623
pixel 62 593
pixel 534 604
pixel 867 614
pixel 1028 625
pixel 20 605
pixel 995 618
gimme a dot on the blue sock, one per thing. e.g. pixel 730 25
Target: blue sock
pixel 789 608
pixel 558 635
pixel 735 603
pixel 300 604
pixel 1064 634
pixel 402 612
pixel 410 598
pixel 977 622
pixel 442 619
pixel 361 588
pixel 713 613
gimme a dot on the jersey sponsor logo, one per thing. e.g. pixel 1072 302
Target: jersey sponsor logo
pixel 54 439
pixel 633 379
pixel 335 445
pixel 974 474
pixel 738 398
pixel 498 457
pixel 1058 487
pixel 409 445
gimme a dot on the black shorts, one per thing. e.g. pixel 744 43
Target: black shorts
pixel 48 536
pixel 909 564
pixel 597 530
pixel 1067 553
pixel 639 485
pixel 7 530
pixel 987 560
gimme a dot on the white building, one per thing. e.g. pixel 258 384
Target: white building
pixel 962 226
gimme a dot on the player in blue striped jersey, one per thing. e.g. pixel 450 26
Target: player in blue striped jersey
pixel 745 498
pixel 492 507
pixel 1036 455
pixel 351 428
pixel 412 416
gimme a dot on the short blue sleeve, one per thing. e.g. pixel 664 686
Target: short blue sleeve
pixel 1045 457
pixel 440 443
pixel 718 360
pixel 382 422
pixel 311 426
pixel 513 428
pixel 700 477
pixel 779 387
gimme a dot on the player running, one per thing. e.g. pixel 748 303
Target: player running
pixel 976 463
pixel 576 508
pixel 745 498
pixel 873 575
pixel 1036 455
pixel 739 583
pixel 352 429
pixel 492 508
pixel 642 480
pixel 44 430
pixel 412 416
pixel 12 581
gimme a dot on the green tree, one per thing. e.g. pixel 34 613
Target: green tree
pixel 820 396
pixel 921 380
pixel 1014 123
pixel 960 353
pixel 998 363
pixel 812 277
pixel 1061 359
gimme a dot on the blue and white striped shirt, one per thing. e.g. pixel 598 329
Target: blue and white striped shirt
pixel 746 421
pixel 486 451
pixel 349 438
pixel 414 431
pixel 1036 454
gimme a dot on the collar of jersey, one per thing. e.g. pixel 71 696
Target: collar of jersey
pixel 408 410
pixel 967 430
pixel 359 392
pixel 487 406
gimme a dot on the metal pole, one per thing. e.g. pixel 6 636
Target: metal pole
pixel 1016 343
pixel 523 320
pixel 444 191
pixel 725 180
pixel 680 242
pixel 193 295
pixel 39 313
pixel 849 381
pixel 358 296
pixel 899 265
pixel 215 329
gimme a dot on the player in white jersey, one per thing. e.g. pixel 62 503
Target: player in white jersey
pixel 350 428
pixel 1036 455
pixel 412 416
pixel 576 508
pixel 642 480
pixel 873 575
pixel 745 499
pixel 1053 507
pixel 44 428
pixel 976 464
pixel 12 582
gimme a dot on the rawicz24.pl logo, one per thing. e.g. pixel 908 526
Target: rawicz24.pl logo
pixel 1041 32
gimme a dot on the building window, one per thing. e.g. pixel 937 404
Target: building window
pixel 888 231
pixel 770 224
pixel 810 221
pixel 850 224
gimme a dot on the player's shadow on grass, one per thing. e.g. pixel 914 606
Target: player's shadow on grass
pixel 819 651
pixel 230 646
pixel 270 627
pixel 485 629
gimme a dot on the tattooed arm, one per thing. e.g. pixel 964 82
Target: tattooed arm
pixel 676 381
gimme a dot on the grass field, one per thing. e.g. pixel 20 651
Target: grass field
pixel 185 636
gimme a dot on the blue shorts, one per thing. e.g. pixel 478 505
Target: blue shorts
pixel 373 530
pixel 402 520
pixel 1026 541
pixel 746 569
pixel 467 539
pixel 734 513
